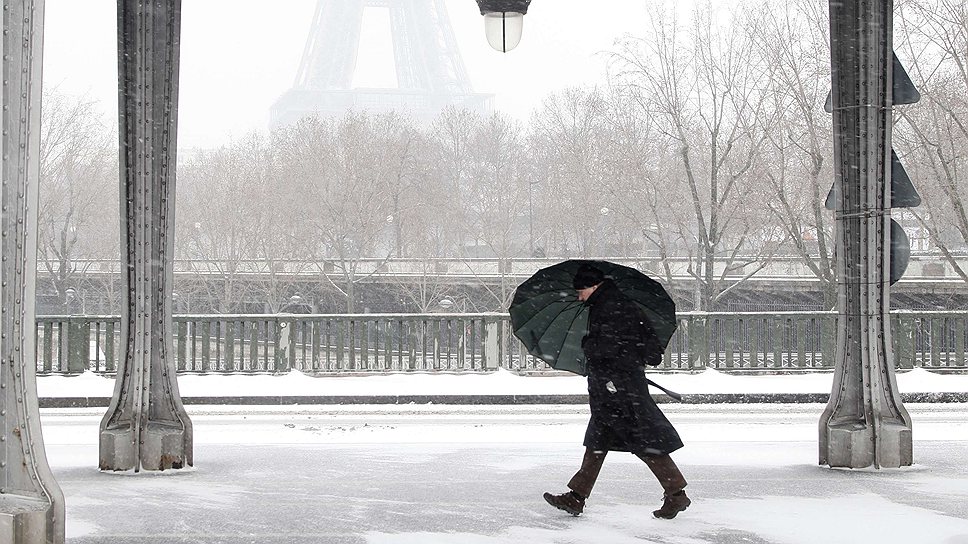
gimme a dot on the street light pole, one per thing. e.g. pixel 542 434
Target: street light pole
pixel 70 295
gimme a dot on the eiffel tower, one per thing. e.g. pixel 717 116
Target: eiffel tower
pixel 430 72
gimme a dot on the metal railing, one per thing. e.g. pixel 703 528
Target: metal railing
pixel 780 266
pixel 367 343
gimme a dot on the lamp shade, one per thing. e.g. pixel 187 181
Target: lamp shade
pixel 503 29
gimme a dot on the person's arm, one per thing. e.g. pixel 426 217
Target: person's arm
pixel 634 339
pixel 649 349
pixel 619 332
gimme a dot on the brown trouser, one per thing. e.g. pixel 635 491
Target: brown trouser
pixel 662 466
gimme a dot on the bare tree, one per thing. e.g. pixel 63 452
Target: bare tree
pixel 643 185
pixel 280 241
pixel 567 134
pixel 450 151
pixel 78 191
pixel 224 223
pixel 496 204
pixel 425 288
pixel 933 134
pixel 791 39
pixel 403 156
pixel 354 176
pixel 706 88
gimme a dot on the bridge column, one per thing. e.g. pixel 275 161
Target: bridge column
pixel 864 423
pixel 146 425
pixel 31 503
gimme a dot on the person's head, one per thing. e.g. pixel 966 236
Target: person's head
pixel 586 280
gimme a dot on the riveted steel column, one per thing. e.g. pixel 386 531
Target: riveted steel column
pixel 146 425
pixel 31 503
pixel 864 423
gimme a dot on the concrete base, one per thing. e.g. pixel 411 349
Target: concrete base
pixel 117 449
pixel 164 447
pixel 896 446
pixel 853 445
pixel 23 520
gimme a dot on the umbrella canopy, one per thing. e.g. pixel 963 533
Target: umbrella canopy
pixel 548 318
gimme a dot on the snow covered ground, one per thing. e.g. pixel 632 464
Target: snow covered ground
pixel 497 383
pixel 437 474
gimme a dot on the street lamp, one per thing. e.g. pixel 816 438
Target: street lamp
pixel 503 22
pixel 69 294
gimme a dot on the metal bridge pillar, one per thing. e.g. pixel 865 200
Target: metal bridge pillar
pixel 864 423
pixel 31 503
pixel 146 425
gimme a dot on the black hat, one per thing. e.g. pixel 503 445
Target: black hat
pixel 587 276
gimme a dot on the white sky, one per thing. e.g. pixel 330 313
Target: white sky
pixel 238 57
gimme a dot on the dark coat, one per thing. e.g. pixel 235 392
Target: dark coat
pixel 624 416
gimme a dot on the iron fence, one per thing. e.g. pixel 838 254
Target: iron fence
pixel 368 343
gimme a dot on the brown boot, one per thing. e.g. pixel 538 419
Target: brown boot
pixel 672 505
pixel 672 481
pixel 570 502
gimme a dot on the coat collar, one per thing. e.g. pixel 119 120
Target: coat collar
pixel 606 286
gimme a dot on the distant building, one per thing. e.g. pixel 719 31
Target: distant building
pixel 429 68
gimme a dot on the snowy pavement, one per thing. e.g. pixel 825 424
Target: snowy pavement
pixel 216 388
pixel 431 474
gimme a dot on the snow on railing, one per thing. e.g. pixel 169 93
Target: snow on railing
pixel 375 343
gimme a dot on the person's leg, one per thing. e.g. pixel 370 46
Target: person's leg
pixel 581 484
pixel 666 471
pixel 673 483
pixel 591 465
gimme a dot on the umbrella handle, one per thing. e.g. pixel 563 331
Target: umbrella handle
pixel 669 392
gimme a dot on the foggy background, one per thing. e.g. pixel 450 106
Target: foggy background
pixel 238 56
pixel 688 139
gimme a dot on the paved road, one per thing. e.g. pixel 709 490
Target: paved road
pixel 432 474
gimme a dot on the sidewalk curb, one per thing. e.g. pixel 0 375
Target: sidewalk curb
pixel 704 398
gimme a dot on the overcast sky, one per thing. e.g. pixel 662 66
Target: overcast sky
pixel 238 56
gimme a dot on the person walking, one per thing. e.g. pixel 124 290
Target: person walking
pixel 624 417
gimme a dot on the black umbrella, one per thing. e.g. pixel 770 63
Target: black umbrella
pixel 548 318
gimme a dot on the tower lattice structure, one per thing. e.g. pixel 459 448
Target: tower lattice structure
pixel 430 71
